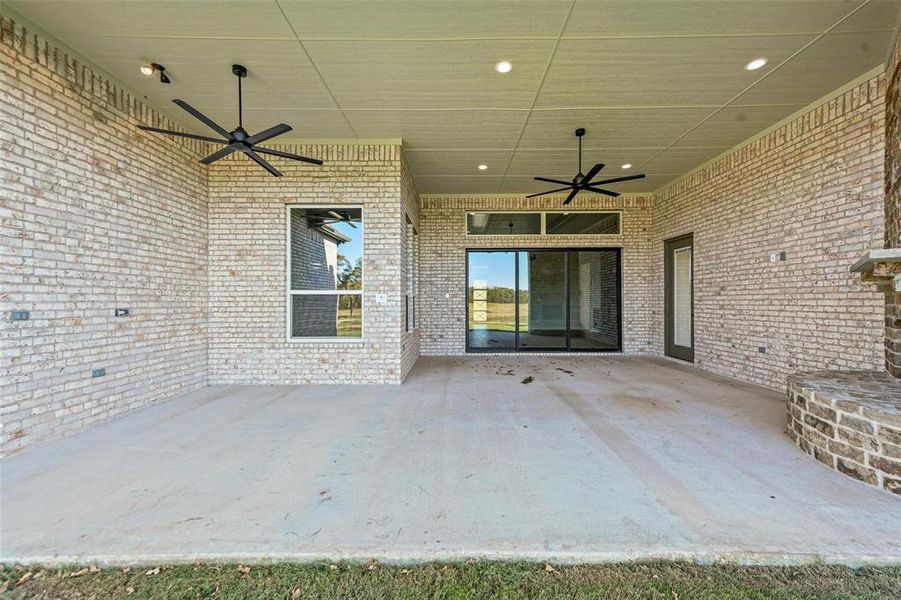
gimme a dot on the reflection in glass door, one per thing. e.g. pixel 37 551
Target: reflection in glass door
pixel 540 300
pixel 491 289
pixel 543 326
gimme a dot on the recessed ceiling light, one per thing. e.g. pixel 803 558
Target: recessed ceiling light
pixel 482 167
pixel 505 66
pixel 627 166
pixel 755 64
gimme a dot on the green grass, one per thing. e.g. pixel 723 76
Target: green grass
pixel 471 580
pixel 501 317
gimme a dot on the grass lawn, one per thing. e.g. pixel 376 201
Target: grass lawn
pixel 475 580
pixel 350 325
pixel 500 316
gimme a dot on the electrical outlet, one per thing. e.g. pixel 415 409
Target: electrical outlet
pixel 98 373
pixel 19 315
pixel 121 312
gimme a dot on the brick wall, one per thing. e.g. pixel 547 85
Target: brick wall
pixel 893 204
pixel 442 262
pixel 95 215
pixel 247 264
pixel 410 340
pixel 813 189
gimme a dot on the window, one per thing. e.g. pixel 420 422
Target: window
pixel 411 250
pixel 503 223
pixel 325 272
pixel 582 223
pixel 544 223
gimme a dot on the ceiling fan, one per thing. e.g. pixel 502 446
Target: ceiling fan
pixel 582 182
pixel 237 140
pixel 333 217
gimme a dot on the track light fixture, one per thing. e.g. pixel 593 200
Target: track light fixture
pixel 152 68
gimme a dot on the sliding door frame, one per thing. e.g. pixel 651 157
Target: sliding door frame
pixel 618 252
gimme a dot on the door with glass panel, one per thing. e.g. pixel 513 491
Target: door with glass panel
pixel 543 300
pixel 679 297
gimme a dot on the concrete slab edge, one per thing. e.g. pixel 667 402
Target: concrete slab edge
pixel 414 557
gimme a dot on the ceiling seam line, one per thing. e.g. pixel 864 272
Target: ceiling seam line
pixel 475 39
pixel 765 75
pixel 316 69
pixel 547 69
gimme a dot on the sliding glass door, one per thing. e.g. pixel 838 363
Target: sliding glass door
pixel 543 300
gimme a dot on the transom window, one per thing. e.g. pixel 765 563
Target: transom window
pixel 325 272
pixel 544 223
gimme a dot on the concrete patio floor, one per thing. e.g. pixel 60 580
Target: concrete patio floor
pixel 624 458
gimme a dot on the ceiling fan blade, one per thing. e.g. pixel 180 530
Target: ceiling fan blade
pixel 220 154
pixel 561 182
pixel 268 134
pixel 594 171
pixel 260 161
pixel 600 191
pixel 312 161
pixel 617 179
pixel 572 195
pixel 550 192
pixel 184 135
pixel 202 117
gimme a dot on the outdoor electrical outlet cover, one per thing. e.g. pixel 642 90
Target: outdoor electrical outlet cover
pixel 381 298
pixel 121 312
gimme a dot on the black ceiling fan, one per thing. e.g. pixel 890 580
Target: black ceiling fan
pixel 237 140
pixel 582 182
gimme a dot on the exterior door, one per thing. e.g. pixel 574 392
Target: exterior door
pixel 679 297
pixel 543 300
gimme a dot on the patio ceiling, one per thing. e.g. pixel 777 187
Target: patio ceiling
pixel 660 84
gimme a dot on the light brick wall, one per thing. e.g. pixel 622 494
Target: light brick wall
pixel 410 340
pixel 443 261
pixel 812 188
pixel 95 215
pixel 247 265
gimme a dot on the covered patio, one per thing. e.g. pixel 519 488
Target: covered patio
pixel 563 458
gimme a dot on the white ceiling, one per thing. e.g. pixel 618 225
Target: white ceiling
pixel 660 84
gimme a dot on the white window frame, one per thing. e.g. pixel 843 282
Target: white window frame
pixel 543 219
pixel 291 293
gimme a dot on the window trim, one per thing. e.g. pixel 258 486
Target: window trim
pixel 543 220
pixel 289 293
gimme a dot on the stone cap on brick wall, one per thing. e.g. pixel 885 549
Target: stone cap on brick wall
pixel 882 266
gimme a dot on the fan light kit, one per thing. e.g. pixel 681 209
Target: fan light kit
pixel 627 166
pixel 504 66
pixel 152 68
pixel 236 140
pixel 582 182
pixel 755 64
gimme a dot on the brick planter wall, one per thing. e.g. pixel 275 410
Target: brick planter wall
pixel 849 421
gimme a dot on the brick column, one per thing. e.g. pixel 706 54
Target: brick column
pixel 893 205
